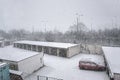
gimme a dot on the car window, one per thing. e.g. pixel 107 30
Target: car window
pixel 93 64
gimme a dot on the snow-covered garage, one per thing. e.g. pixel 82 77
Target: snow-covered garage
pixel 112 58
pixel 52 48
pixel 21 60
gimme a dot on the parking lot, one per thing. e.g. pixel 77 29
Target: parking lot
pixel 66 69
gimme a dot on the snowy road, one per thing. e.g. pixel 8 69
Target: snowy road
pixel 67 69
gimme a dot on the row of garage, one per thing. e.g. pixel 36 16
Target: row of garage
pixel 47 50
pixel 51 48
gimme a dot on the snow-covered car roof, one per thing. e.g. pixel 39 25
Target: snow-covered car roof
pixel 49 44
pixel 14 54
pixel 98 59
pixel 112 55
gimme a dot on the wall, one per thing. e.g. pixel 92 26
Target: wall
pixel 73 51
pixel 12 65
pixel 91 49
pixel 31 64
pixel 4 72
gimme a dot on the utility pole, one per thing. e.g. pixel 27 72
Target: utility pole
pixel 77 24
pixel 116 21
pixel 112 23
pixel 78 21
pixel 45 22
pixel 45 27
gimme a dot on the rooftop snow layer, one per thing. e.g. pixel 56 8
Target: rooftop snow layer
pixel 98 59
pixel 49 44
pixel 14 54
pixel 112 55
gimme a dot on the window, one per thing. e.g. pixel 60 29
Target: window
pixel 14 44
pixel 34 47
pixel 62 52
pixel 39 49
pixel 13 66
pixel 29 47
pixel 17 45
pixel 46 50
pixel 20 45
pixel 54 51
pixel 25 46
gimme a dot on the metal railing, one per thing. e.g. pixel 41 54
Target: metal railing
pixel 27 76
pixel 46 78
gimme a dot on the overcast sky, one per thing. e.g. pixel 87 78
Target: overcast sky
pixel 57 14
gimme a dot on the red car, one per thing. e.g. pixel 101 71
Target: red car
pixel 89 65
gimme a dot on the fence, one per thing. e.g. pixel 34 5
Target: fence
pixel 38 77
pixel 46 78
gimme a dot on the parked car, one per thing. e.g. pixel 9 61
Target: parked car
pixel 92 62
pixel 89 65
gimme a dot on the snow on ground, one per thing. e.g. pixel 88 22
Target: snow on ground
pixel 66 69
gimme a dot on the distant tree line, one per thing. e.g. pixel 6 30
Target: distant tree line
pixel 76 34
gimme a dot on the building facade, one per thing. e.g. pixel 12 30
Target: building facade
pixel 22 60
pixel 4 71
pixel 111 55
pixel 52 48
pixel 5 43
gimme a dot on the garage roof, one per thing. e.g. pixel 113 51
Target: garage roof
pixel 112 55
pixel 15 54
pixel 48 44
